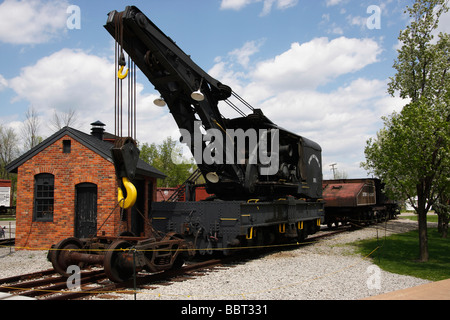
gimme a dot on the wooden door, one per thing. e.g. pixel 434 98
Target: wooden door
pixel 86 210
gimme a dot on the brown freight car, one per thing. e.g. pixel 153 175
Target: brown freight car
pixel 358 201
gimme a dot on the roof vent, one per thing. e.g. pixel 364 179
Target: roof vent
pixel 97 130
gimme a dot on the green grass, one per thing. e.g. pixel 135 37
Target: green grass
pixel 430 218
pixel 7 217
pixel 399 254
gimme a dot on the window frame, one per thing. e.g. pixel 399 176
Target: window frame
pixel 67 146
pixel 44 197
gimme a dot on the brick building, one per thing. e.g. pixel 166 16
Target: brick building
pixel 67 187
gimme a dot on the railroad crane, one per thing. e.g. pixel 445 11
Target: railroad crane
pixel 193 96
pixel 266 181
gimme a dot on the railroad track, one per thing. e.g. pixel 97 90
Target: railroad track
pixel 49 285
pixel 141 280
pixel 44 283
pixel 7 242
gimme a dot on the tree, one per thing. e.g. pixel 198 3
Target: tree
pixel 341 174
pixel 63 119
pixel 442 208
pixel 30 129
pixel 411 154
pixel 8 150
pixel 168 158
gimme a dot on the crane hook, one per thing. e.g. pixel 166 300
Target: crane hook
pixel 120 73
pixel 130 200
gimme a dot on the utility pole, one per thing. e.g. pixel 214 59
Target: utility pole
pixel 333 168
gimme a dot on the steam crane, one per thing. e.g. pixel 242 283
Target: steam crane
pixel 193 96
pixel 267 181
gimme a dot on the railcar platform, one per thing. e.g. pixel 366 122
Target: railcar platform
pixel 439 290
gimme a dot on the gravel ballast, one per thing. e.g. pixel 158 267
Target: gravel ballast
pixel 326 270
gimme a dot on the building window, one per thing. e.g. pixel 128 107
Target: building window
pixel 44 185
pixel 66 146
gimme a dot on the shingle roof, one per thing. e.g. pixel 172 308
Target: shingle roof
pixel 100 147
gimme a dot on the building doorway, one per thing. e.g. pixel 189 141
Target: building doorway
pixel 85 210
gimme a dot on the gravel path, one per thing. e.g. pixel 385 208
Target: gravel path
pixel 327 270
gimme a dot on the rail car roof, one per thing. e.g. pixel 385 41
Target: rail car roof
pixel 344 193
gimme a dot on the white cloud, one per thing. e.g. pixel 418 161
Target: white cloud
pixel 315 63
pixel 303 67
pixel 357 21
pixel 331 3
pixel 341 121
pixel 267 5
pixel 235 4
pixel 32 21
pixel 284 4
pixel 75 79
pixel 3 83
pixel 244 53
pixel 280 4
pixel 312 110
pixel 332 27
pixel 337 30
pixel 67 77
pixel 285 88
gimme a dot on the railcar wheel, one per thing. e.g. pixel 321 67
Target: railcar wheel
pixel 118 261
pixel 59 255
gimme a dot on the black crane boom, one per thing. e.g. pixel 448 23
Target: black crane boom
pixel 178 78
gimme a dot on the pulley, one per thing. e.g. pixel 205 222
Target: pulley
pixel 122 64
pixel 125 158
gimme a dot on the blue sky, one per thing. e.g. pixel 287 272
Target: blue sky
pixel 314 67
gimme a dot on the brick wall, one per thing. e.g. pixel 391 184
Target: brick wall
pixel 69 169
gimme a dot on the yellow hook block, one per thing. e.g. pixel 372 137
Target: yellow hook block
pixel 120 73
pixel 130 200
